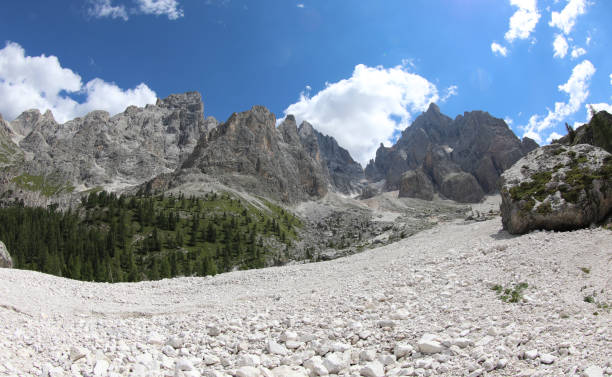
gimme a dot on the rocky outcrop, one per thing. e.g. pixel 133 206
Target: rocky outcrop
pixel 473 149
pixel 10 154
pixel 416 184
pixel 597 132
pixel 5 257
pixel 248 152
pixel 126 149
pixel 557 188
pixel 346 174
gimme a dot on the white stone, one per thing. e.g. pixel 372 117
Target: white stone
pixel 155 338
pixel 288 335
pixel 101 368
pixel 461 342
pixel 315 366
pixel 276 349
pixel 547 358
pixel 386 359
pixel 367 355
pixel 424 363
pixel 592 371
pixel 248 360
pixel 169 351
pixel 286 371
pixel 402 349
pixel 292 344
pixel 77 352
pixel 476 373
pixel 176 342
pixel 209 359
pixel 501 363
pixel 248 371
pixel 334 362
pixel 428 345
pixel 184 365
pixel 373 369
pixel 531 354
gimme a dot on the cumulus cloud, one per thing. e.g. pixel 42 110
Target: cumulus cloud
pixel 577 87
pixel 560 46
pixel 368 108
pixel 566 19
pixel 40 82
pixel 499 49
pixel 104 8
pixel 168 8
pixel 553 136
pixel 578 52
pixel 523 21
pixel 300 5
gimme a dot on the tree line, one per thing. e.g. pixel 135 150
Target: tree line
pixel 141 237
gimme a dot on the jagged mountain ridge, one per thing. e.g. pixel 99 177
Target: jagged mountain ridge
pixel 140 144
pixel 110 152
pixel 463 158
pixel 285 163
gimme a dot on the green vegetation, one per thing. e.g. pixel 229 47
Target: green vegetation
pixel 111 238
pixel 41 184
pixel 586 270
pixel 590 299
pixel 512 294
pixel 576 181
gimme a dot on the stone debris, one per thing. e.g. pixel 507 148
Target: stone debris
pixel 374 314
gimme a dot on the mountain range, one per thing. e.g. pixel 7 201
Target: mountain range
pixel 171 143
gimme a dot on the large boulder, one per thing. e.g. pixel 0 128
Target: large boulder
pixel 5 257
pixel 557 187
pixel 416 184
pixel 461 187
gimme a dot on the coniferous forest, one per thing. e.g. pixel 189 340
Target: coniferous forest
pixel 114 238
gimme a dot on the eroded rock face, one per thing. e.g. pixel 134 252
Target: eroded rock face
pixel 5 257
pixel 249 152
pixel 557 188
pixel 475 144
pixel 416 184
pixel 126 149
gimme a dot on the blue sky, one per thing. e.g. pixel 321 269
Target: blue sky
pixel 358 70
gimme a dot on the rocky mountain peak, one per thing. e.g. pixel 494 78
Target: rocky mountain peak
pixel 190 101
pixel 471 150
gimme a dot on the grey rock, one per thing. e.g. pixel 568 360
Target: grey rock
pixel 126 149
pixel 557 188
pixel 5 258
pixel 416 184
pixel 474 143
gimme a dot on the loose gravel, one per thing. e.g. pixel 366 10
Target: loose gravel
pixel 423 306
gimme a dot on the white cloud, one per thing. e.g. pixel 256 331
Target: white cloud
pixel 509 121
pixel 524 20
pixel 168 8
pixel 366 109
pixel 104 8
pixel 610 78
pixel 452 90
pixel 597 107
pixel 499 49
pixel 566 19
pixel 578 52
pixel 553 136
pixel 577 87
pixel 560 46
pixel 40 82
pixel 300 5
